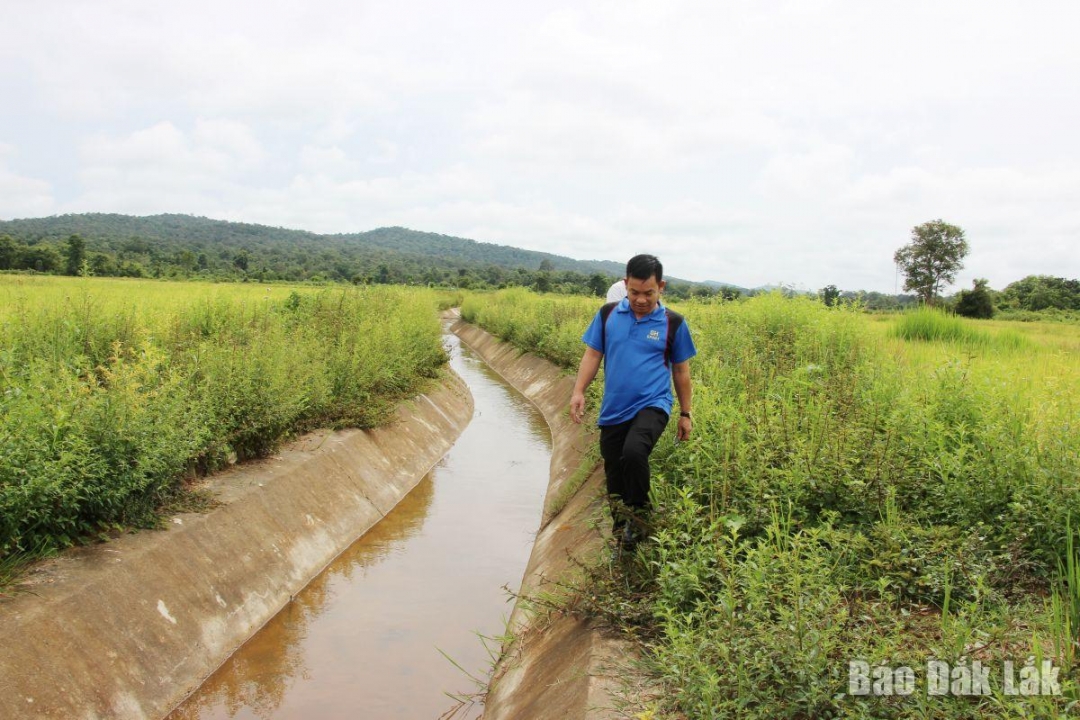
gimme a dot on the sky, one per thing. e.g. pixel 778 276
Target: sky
pixel 752 142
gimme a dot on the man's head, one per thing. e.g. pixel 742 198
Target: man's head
pixel 644 283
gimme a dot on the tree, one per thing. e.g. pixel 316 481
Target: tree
pixel 730 293
pixel 932 258
pixel 74 255
pixel 42 258
pixel 102 264
pixel 976 303
pixel 8 252
pixel 543 281
pixel 598 284
pixel 186 259
pixel 829 295
pixel 1039 292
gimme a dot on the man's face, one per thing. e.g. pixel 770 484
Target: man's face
pixel 643 294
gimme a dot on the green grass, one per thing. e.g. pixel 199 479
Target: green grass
pixel 112 392
pixel 573 483
pixel 932 325
pixel 547 325
pixel 851 492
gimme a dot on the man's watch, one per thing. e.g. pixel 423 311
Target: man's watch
pixel 684 414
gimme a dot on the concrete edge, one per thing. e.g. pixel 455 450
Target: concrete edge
pixel 557 665
pixel 129 628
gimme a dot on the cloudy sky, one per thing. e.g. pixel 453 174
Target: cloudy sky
pixel 752 142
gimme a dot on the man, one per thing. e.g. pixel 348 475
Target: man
pixel 640 362
pixel 617 291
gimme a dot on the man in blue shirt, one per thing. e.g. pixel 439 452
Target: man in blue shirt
pixel 640 362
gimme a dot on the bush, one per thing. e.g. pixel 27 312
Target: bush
pixel 976 303
pixel 844 496
pixel 108 402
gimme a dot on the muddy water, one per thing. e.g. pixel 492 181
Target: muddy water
pixel 366 638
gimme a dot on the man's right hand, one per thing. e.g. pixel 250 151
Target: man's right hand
pixel 577 406
pixel 590 364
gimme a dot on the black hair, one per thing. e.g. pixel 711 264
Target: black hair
pixel 644 267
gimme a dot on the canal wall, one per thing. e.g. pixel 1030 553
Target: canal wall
pixel 557 665
pixel 126 629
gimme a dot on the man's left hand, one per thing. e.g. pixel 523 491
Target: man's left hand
pixel 683 431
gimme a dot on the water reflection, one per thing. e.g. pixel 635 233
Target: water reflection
pixel 255 680
pixel 364 638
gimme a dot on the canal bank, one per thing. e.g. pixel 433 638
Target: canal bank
pixel 127 628
pixel 556 665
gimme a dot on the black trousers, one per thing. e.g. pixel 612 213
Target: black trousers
pixel 626 448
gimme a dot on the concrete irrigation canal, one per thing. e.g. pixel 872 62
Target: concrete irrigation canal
pixel 368 632
pixel 269 607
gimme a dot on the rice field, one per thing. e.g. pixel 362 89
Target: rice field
pixel 866 501
pixel 114 392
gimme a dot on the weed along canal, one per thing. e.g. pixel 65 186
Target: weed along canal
pixel 382 631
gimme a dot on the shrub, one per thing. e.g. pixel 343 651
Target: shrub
pixel 108 402
pixel 844 496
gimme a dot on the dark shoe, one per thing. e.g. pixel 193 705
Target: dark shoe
pixel 629 538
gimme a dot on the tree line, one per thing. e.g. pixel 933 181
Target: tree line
pixel 140 258
pixel 187 247
pixel 184 246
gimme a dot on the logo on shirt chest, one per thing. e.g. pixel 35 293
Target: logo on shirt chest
pixel 653 335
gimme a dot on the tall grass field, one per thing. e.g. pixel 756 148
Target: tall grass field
pixel 112 392
pixel 864 498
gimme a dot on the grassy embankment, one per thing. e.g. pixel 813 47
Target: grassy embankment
pixel 112 392
pixel 889 490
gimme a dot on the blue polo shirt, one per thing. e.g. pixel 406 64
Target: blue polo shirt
pixel 635 376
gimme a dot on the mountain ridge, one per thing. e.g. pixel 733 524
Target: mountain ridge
pixel 115 232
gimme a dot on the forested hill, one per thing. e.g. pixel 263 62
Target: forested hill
pixel 168 243
pixel 470 251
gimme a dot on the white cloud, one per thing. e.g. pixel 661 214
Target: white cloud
pixel 163 168
pixel 320 160
pixel 750 142
pixel 22 196
pixel 817 173
pixel 321 202
pixel 230 140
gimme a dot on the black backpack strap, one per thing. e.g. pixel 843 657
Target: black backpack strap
pixel 604 313
pixel 674 321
